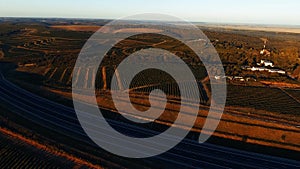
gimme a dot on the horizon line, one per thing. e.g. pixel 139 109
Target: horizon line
pixel 110 19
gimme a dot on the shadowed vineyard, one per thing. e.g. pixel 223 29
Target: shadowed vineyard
pixel 16 154
pixel 269 99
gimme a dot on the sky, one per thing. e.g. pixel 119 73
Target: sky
pixel 279 12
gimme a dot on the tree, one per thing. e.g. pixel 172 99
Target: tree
pixel 254 60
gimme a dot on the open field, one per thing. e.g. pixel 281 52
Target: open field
pixel 264 113
pixel 266 28
pixel 138 30
pixel 88 28
pixel 54 45
pixel 247 125
pixel 251 113
pixel 286 134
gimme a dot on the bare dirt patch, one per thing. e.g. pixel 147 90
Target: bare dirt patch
pixel 259 28
pixel 84 28
pixel 138 30
pixel 280 84
pixel 1 54
pixel 296 73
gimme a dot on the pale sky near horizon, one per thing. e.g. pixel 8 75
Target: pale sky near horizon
pixel 227 11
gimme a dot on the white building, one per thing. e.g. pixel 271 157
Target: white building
pixel 266 63
pixel 281 72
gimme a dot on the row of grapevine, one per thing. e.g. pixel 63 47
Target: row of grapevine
pixel 269 99
pixel 18 154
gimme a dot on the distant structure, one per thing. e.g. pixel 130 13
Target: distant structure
pixel 264 51
pixel 266 63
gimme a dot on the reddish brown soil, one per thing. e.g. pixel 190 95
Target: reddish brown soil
pixel 251 126
pixel 86 28
pixel 280 84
